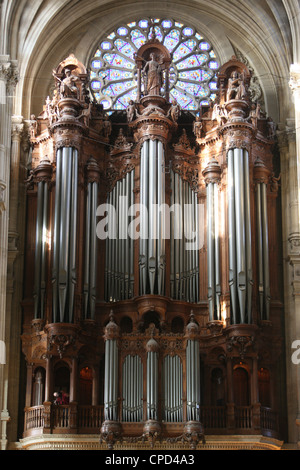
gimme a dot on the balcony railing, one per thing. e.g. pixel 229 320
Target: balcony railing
pixel 87 419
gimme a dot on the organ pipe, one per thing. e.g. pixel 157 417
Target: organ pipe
pixel 111 382
pixel 119 269
pixel 212 178
pixel 184 236
pixel 262 245
pixel 193 380
pixel 152 227
pixel 152 379
pixel 64 240
pixel 132 410
pixel 240 262
pixel 172 388
pixel 89 287
pixel 40 249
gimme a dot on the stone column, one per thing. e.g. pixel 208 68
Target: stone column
pixel 8 79
pixel 293 326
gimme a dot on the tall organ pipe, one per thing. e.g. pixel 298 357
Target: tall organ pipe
pixel 172 388
pixel 132 389
pixel 152 379
pixel 40 249
pixel 240 262
pixel 111 371
pixel 65 221
pixel 263 248
pixel 231 235
pixel 89 287
pixel 211 250
pixel 111 383
pixel 152 227
pixel 249 276
pixel 192 371
pixel 152 254
pixel 184 247
pixel 119 269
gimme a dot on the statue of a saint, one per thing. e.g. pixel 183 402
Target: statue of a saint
pixel 68 85
pixel 131 111
pixel 153 76
pixel 174 111
pixel 198 126
pixel 236 88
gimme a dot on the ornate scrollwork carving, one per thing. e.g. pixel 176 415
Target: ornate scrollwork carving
pixel 242 343
pixel 110 433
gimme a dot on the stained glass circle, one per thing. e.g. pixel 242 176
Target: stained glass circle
pixel 193 81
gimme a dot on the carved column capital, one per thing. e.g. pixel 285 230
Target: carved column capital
pixel 294 82
pixel 17 128
pixel 9 73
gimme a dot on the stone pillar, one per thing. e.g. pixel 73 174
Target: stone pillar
pixel 8 79
pixel 293 321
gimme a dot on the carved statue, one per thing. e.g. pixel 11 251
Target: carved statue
pixel 33 126
pixel 86 114
pixel 197 127
pixel 174 111
pixel 107 127
pixel 236 87
pixel 271 127
pixel 68 85
pixel 219 114
pixel 52 112
pixel 131 111
pixel 274 183
pixel 254 115
pixel 152 73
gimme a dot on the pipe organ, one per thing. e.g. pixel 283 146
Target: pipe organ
pixel 148 260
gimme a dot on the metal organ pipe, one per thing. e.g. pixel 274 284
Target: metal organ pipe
pixel 65 221
pixel 263 250
pixel 152 227
pixel 132 389
pixel 193 380
pixel 211 250
pixel 152 385
pixel 152 253
pixel 184 273
pixel 249 276
pixel 240 262
pixel 40 249
pixel 90 250
pixel 111 382
pixel 172 388
pixel 119 269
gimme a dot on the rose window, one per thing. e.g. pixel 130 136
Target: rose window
pixel 192 77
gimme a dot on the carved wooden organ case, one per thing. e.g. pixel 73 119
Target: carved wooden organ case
pixel 152 315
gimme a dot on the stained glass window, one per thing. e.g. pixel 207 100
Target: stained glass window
pixel 193 70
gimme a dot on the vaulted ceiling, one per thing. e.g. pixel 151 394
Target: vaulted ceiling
pixel 41 33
